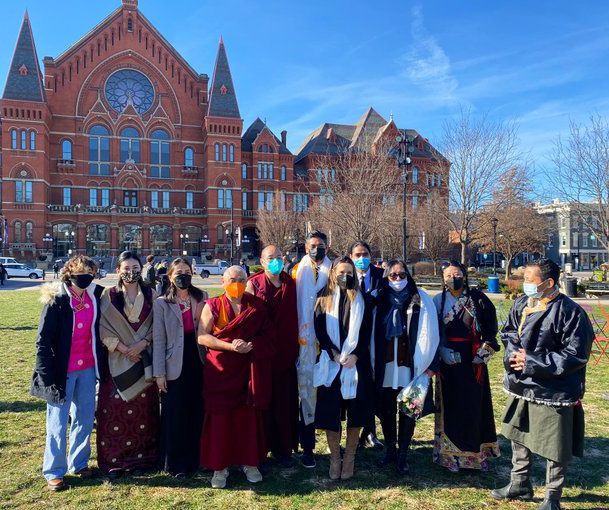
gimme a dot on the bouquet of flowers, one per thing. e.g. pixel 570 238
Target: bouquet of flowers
pixel 412 398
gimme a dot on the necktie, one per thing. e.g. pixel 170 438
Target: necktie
pixel 362 282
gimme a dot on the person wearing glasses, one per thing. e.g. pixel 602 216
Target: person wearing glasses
pixel 406 343
pixel 465 434
pixel 237 377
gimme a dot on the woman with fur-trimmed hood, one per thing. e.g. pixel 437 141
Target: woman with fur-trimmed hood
pixel 67 368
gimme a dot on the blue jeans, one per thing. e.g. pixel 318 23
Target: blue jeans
pixel 80 405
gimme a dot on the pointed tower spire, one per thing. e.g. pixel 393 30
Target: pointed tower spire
pixel 222 100
pixel 24 80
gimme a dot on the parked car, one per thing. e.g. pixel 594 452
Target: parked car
pixel 22 271
pixel 217 267
pixel 8 260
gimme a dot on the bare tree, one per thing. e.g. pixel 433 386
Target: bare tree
pixel 280 226
pixel 355 195
pixel 520 228
pixel 480 151
pixel 430 230
pixel 581 174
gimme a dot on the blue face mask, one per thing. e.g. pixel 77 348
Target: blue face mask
pixel 275 266
pixel 533 290
pixel 362 263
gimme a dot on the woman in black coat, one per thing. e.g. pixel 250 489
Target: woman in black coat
pixel 67 350
pixel 343 374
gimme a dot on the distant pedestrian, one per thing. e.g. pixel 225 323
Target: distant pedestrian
pixel 149 272
pixel 245 267
pixel 55 271
pixel 3 274
pixel 161 278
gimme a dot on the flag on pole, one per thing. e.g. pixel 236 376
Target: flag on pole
pixel 5 233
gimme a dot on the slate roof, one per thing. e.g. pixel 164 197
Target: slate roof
pixel 358 136
pixel 253 131
pixel 222 100
pixel 27 86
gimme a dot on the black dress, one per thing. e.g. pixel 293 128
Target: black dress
pixel 331 408
pixel 465 433
pixel 182 409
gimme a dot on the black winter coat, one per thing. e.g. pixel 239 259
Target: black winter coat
pixel 54 341
pixel 557 342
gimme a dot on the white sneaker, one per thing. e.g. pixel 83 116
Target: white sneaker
pixel 218 481
pixel 252 474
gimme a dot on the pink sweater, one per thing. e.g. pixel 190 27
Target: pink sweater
pixel 81 352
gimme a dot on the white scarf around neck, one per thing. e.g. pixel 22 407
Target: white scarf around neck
pixel 326 369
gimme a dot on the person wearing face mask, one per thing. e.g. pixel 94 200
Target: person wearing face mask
pixel 275 287
pixel 547 341
pixel 406 344
pixel 465 435
pixel 311 275
pixel 370 279
pixel 343 374
pixel 67 364
pixel 178 369
pixel 128 406
pixel 238 337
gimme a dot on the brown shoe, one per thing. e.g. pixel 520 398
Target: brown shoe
pixel 349 457
pixel 84 473
pixel 55 485
pixel 334 445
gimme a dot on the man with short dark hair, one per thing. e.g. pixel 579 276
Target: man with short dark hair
pixel 547 341
pixel 370 278
pixel 311 275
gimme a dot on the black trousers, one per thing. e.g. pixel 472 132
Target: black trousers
pixel 306 434
pixel 397 427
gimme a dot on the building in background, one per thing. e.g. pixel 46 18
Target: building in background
pixel 571 239
pixel 118 143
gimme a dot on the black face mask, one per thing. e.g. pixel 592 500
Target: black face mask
pixel 345 281
pixel 82 281
pixel 318 253
pixel 182 281
pixel 455 283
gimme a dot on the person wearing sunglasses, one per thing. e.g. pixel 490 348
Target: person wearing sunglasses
pixel 343 373
pixel 465 434
pixel 406 340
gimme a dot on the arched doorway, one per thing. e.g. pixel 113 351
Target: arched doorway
pixel 63 239
pixel 98 240
pixel 250 243
pixel 130 238
pixel 161 240
pixel 191 241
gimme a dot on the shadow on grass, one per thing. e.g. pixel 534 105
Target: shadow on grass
pixel 19 328
pixel 22 407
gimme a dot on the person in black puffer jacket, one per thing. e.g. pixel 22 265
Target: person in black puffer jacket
pixel 547 342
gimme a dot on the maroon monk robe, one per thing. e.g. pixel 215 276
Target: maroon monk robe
pixel 236 387
pixel 282 423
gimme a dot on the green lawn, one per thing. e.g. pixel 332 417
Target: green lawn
pixel 22 421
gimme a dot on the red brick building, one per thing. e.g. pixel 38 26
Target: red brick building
pixel 118 143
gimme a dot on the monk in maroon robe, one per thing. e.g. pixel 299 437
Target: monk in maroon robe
pixel 275 287
pixel 236 379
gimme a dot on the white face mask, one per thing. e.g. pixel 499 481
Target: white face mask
pixel 398 285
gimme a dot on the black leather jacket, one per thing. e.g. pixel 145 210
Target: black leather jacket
pixel 557 342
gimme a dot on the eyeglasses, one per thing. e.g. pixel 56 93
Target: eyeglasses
pixel 395 276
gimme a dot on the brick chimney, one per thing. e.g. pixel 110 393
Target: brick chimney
pixel 284 137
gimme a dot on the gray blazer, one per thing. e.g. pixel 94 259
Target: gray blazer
pixel 168 336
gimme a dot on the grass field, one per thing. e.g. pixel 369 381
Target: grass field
pixel 22 425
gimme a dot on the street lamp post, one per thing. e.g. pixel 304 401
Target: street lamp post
pixel 183 241
pixel 47 240
pixel 70 235
pixel 495 221
pixel 405 150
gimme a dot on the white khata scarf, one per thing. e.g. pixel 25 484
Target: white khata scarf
pixel 306 292
pixel 326 369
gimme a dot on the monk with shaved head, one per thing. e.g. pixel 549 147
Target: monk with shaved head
pixel 237 335
pixel 275 287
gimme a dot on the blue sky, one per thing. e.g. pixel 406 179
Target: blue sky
pixel 299 64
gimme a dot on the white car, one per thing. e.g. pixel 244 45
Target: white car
pixel 215 268
pixel 22 271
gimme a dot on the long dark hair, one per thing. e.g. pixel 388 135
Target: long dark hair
pixel 412 286
pixel 170 293
pixel 466 289
pixel 146 291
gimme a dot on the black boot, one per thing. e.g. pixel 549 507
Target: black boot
pixel 402 467
pixel 389 458
pixel 550 504
pixel 514 490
